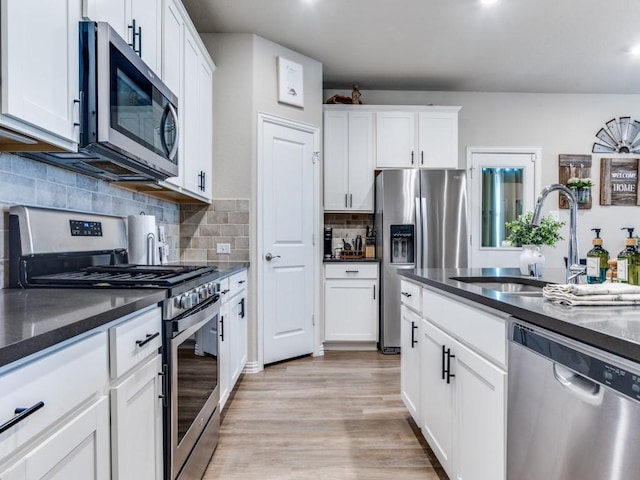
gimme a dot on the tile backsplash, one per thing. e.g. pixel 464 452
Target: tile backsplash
pixel 203 227
pixel 346 226
pixel 29 182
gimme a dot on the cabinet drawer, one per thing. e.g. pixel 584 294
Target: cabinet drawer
pixel 61 380
pixel 237 283
pixel 351 270
pixel 133 340
pixel 225 290
pixel 481 331
pixel 411 295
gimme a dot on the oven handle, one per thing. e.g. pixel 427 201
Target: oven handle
pixel 197 318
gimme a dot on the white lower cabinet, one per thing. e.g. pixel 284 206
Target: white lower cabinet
pixel 136 396
pixel 410 380
pixel 459 374
pixel 136 423
pixel 77 450
pixel 232 333
pixel 351 302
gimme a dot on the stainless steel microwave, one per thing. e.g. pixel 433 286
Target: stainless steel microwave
pixel 128 118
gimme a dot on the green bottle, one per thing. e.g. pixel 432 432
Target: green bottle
pixel 627 260
pixel 597 259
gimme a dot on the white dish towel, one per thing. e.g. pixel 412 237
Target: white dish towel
pixel 594 294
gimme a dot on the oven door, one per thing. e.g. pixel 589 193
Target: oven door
pixel 193 414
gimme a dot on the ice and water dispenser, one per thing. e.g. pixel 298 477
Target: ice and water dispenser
pixel 402 243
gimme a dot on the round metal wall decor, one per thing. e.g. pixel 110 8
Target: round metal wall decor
pixel 620 135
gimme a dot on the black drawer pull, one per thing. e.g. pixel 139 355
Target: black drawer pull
pixel 224 292
pixel 150 336
pixel 240 282
pixel 352 271
pixel 21 414
pixel 406 294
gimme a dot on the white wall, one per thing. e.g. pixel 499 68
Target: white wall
pixel 245 84
pixel 559 124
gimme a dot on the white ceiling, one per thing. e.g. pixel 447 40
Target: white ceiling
pixel 546 46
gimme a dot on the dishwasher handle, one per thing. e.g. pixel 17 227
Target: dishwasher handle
pixel 581 386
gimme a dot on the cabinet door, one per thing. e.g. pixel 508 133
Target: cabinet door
pixel 361 161
pixel 78 449
pixel 224 352
pixel 438 139
pixel 136 422
pixel 395 139
pixel 148 20
pixel 351 310
pixel 336 161
pixel 238 355
pixel 480 423
pixel 410 361
pixel 437 407
pixel 117 13
pixel 40 64
pixel 204 166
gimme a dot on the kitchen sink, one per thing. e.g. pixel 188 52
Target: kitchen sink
pixel 509 285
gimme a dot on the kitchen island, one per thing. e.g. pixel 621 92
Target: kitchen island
pixel 456 359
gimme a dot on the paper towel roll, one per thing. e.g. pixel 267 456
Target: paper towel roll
pixel 142 234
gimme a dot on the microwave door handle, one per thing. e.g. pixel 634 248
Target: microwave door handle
pixel 171 152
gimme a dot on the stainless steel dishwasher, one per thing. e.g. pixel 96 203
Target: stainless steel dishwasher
pixel 573 410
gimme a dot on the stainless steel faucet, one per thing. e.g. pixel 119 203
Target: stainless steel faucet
pixel 574 269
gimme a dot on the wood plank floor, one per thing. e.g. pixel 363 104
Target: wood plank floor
pixel 334 417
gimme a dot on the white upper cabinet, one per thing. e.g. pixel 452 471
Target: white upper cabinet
pixel 395 139
pixel 421 137
pixel 348 160
pixel 39 51
pixel 188 71
pixel 137 21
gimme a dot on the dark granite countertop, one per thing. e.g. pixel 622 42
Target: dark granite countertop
pixel 614 329
pixel 34 319
pixel 37 318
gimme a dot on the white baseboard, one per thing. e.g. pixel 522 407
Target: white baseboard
pixel 353 346
pixel 319 351
pixel 251 367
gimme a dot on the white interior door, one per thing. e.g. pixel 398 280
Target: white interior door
pixel 498 193
pixel 287 254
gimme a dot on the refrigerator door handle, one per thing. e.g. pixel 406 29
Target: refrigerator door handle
pixel 423 233
pixel 418 239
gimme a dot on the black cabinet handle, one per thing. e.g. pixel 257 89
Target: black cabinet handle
pixel 413 334
pixel 21 414
pixel 352 271
pixel 422 157
pixel 135 34
pixel 222 328
pixel 240 282
pixel 374 292
pixel 448 371
pixel 150 336
pixel 406 294
pixel 241 308
pixel 444 354
pixel 224 292
pixel 412 157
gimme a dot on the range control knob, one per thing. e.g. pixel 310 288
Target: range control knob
pixel 636 388
pixel 194 297
pixel 203 293
pixel 186 301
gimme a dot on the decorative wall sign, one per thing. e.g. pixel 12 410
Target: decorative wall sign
pixel 290 82
pixel 619 181
pixel 618 136
pixel 575 173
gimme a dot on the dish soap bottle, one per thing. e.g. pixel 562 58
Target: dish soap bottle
pixel 597 260
pixel 627 260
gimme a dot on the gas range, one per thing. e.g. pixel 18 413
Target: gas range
pixel 48 249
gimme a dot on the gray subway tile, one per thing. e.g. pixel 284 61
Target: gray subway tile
pixel 17 189
pixel 78 199
pixel 51 194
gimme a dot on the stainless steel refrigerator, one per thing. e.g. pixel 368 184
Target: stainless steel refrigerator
pixel 420 222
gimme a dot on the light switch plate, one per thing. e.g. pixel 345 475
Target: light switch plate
pixel 223 248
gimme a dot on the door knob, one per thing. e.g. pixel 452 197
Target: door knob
pixel 268 257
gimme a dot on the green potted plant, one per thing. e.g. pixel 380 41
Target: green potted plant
pixel 581 188
pixel 523 234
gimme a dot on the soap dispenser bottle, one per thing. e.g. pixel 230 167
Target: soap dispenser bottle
pixel 627 259
pixel 597 260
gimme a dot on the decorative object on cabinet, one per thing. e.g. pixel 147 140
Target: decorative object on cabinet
pixel 575 172
pixel 290 82
pixel 618 136
pixel 355 95
pixel 342 99
pixel 619 181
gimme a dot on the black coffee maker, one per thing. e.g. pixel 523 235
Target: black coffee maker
pixel 328 242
